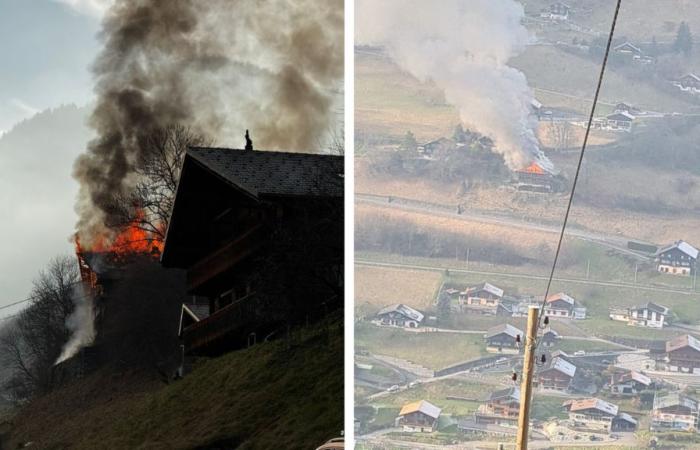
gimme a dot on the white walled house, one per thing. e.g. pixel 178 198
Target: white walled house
pixel 650 315
pixel 400 315
pixel 678 258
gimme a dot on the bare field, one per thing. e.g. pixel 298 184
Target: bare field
pixel 523 240
pixel 391 102
pixel 379 287
pixel 551 208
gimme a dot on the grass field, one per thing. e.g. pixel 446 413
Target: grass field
pixel 268 396
pixel 376 287
pixel 437 392
pixel 597 299
pixel 431 350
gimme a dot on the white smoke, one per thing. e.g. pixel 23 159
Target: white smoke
pixel 463 46
pixel 81 323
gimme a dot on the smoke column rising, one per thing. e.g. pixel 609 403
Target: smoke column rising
pixel 81 323
pixel 464 47
pixel 216 66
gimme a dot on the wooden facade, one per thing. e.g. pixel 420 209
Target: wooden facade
pixel 683 354
pixel 239 219
pixel 680 258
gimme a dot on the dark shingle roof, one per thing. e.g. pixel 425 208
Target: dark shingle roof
pixel 261 173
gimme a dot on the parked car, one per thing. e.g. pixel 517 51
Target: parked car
pixel 333 444
pixel 580 353
pixel 394 388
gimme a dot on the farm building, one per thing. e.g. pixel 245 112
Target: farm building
pixel 503 339
pixel 421 416
pixel 591 413
pixel 400 315
pixel 230 212
pixel 556 11
pixel 629 383
pixel 674 412
pixel 650 315
pixel 484 299
pixel 557 375
pixel 678 258
pixel 683 354
pixel 501 408
pixel 688 83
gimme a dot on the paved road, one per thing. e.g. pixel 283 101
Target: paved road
pixel 366 262
pixel 616 242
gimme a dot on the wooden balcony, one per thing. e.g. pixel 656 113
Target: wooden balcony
pixel 239 318
pixel 224 258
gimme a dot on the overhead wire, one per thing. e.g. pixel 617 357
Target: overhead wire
pixel 578 166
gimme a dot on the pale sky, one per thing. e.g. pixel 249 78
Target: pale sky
pixel 46 48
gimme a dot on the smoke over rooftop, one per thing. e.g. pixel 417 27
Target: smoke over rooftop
pixel 463 47
pixel 217 67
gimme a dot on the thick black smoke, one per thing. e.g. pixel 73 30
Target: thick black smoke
pixel 218 67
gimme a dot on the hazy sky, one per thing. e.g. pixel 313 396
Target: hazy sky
pixel 46 48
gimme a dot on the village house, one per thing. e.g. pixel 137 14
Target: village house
pixel 421 417
pixel 629 109
pixel 628 384
pixel 484 299
pixel 563 306
pixel 619 121
pixel 674 412
pixel 503 339
pixel 688 83
pixel 400 315
pixel 650 315
pixel 501 408
pixel 558 374
pixel 556 11
pixel 591 413
pixel 230 211
pixel 549 337
pixel 441 144
pixel 678 258
pixel 626 48
pixel 683 354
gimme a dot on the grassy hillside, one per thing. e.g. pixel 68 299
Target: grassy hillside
pixel 265 397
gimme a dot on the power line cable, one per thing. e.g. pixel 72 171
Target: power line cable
pixel 579 164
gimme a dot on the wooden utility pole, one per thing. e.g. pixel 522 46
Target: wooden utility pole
pixel 528 373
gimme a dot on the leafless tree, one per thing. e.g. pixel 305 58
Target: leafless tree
pixel 561 134
pixel 31 344
pixel 148 206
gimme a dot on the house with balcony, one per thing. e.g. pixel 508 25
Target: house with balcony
pixel 678 258
pixel 420 417
pixel 260 235
pixel 501 408
pixel 674 412
pixel 650 315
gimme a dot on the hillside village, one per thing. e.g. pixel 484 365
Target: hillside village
pixel 453 246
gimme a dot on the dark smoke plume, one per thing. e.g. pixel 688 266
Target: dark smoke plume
pixel 217 67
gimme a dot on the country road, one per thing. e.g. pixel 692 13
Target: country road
pixel 366 262
pixel 615 242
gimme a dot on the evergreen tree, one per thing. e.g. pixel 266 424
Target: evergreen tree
pixel 684 40
pixel 458 135
pixel 409 142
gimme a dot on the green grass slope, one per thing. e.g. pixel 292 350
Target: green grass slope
pixel 269 396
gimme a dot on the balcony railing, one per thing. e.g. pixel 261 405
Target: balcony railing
pixel 236 317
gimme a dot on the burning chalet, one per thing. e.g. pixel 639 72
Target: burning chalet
pixel 537 178
pixel 260 235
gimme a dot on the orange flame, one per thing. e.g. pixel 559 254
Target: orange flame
pixel 132 239
pixel 533 168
